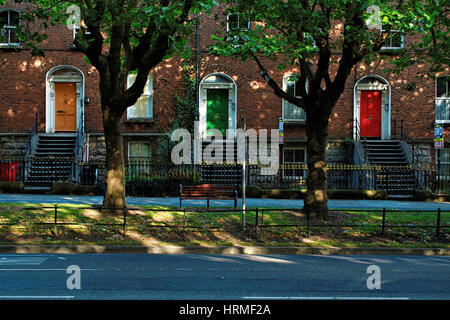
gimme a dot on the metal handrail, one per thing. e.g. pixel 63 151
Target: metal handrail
pixel 358 130
pixel 405 137
pixel 29 147
pixel 31 134
pixel 79 146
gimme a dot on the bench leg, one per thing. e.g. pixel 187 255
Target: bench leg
pixel 207 204
pixel 235 203
pixel 180 202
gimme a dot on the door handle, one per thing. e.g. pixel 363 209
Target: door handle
pixel 60 111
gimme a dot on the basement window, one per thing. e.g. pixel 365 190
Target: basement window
pixel 139 151
pixel 444 170
pixel 293 158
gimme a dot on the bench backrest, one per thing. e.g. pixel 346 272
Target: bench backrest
pixel 207 190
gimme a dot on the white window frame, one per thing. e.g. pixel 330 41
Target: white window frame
pixel 239 26
pixel 76 28
pixel 390 47
pixel 148 95
pixel 444 174
pixel 438 99
pixel 130 156
pixel 287 177
pixel 310 36
pixel 239 22
pixel 285 102
pixel 9 27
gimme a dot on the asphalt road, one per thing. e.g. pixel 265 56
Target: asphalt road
pixel 235 277
pixel 250 202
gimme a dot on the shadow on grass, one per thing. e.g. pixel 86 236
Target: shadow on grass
pixel 160 226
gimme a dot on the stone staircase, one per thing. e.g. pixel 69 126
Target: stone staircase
pixel 395 177
pixel 51 160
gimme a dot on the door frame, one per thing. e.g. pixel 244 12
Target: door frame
pixel 232 99
pixel 51 79
pixel 377 83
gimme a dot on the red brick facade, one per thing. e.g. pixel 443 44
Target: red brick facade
pixel 23 93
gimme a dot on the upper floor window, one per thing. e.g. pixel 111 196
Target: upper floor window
pixel 9 21
pixel 143 108
pixel 291 112
pixel 310 42
pixel 394 41
pixel 442 99
pixel 236 23
pixel 77 28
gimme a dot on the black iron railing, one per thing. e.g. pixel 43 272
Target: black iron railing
pixel 31 134
pixel 150 179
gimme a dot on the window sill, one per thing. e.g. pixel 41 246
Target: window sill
pixel 294 122
pixel 140 120
pixel 391 50
pixel 11 46
pixel 445 123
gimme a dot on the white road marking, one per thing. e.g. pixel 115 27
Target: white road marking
pixel 2 269
pixel 22 260
pixel 325 298
pixel 37 297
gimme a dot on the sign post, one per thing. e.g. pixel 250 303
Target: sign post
pixel 438 136
pixel 438 145
pixel 281 142
pixel 280 131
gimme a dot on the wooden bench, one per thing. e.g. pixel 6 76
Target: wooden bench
pixel 208 192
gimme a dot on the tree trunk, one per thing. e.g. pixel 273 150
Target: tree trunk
pixel 316 200
pixel 115 177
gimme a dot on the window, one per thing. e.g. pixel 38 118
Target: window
pixel 9 21
pixel 236 24
pixel 442 99
pixel 139 151
pixel 444 168
pixel 290 111
pixel 293 158
pixel 394 40
pixel 77 28
pixel 143 108
pixel 309 41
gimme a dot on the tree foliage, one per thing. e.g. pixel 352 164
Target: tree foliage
pixel 117 37
pixel 324 40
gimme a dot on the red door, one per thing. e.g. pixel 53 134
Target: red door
pixel 370 113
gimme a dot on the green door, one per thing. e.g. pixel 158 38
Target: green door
pixel 217 110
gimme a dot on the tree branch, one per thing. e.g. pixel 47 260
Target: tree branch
pixel 276 88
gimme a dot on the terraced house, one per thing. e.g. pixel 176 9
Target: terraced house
pixel 50 109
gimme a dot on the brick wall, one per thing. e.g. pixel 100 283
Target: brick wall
pixel 23 90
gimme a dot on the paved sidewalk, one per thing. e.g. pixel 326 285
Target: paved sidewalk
pixel 251 202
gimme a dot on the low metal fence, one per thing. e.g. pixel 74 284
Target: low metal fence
pixel 252 221
pixel 382 215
